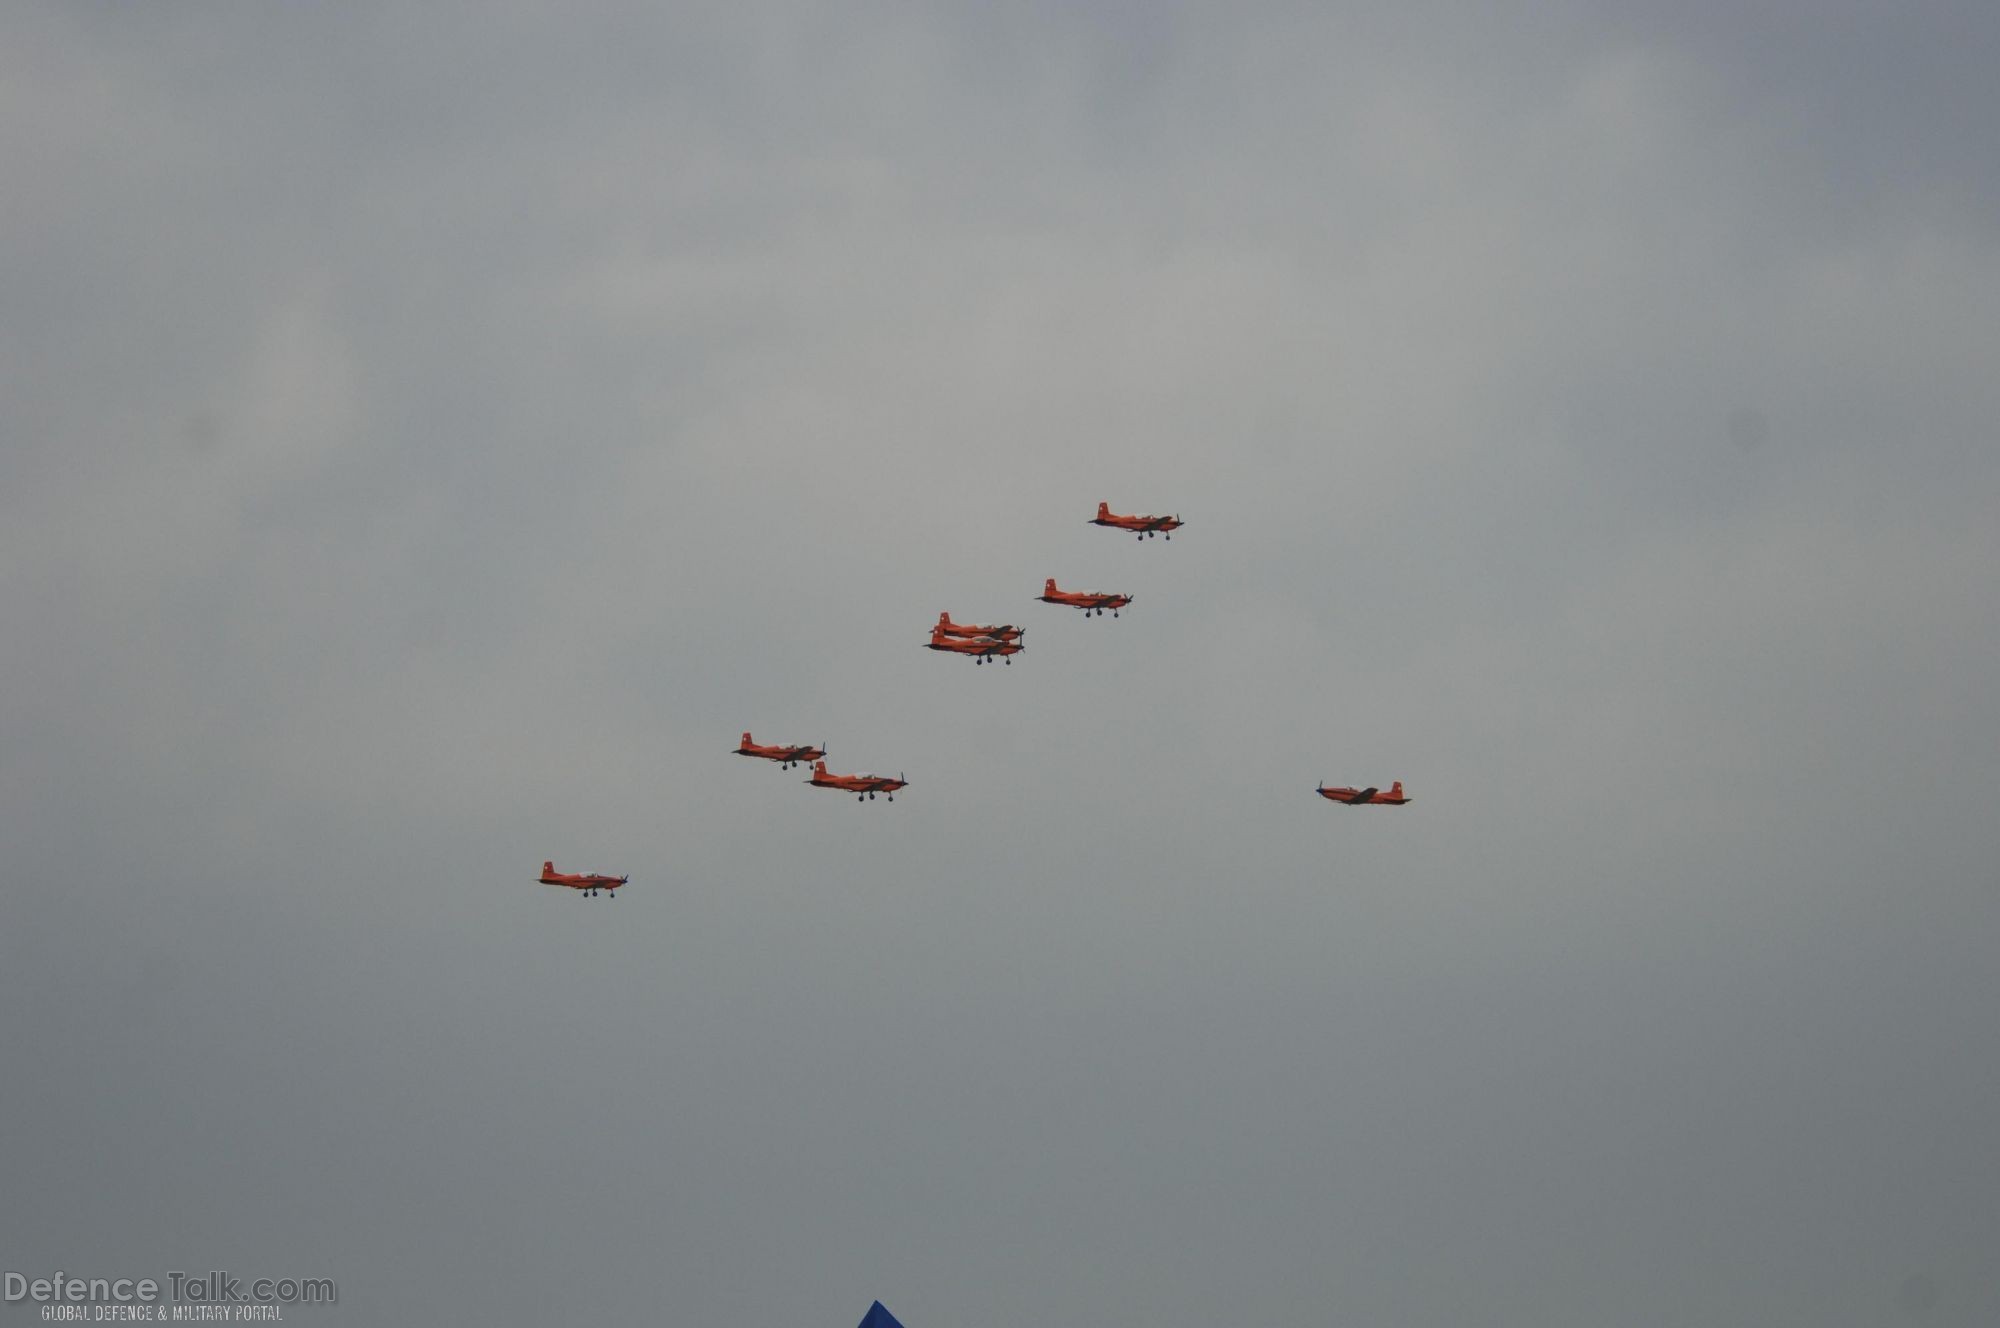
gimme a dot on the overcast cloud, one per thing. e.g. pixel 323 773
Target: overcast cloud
pixel 430 436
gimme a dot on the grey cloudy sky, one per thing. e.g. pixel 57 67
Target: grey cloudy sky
pixel 429 436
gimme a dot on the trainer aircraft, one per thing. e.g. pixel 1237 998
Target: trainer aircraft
pixel 981 648
pixel 1354 797
pixel 788 756
pixel 864 784
pixel 1004 632
pixel 1143 526
pixel 1089 601
pixel 588 882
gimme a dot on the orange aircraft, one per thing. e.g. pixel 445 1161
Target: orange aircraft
pixel 1005 632
pixel 1355 797
pixel 788 755
pixel 1143 526
pixel 864 784
pixel 982 648
pixel 1082 599
pixel 588 882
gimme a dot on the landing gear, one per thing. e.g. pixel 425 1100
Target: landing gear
pixel 871 797
pixel 892 797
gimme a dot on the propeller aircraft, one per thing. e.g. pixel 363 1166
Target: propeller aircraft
pixel 981 648
pixel 787 756
pixel 1004 632
pixel 1090 602
pixel 1354 797
pixel 587 882
pixel 863 784
pixel 1143 526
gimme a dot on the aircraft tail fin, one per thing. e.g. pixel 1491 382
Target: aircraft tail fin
pixel 1049 586
pixel 1104 509
pixel 746 738
pixel 548 869
pixel 878 1317
pixel 1396 789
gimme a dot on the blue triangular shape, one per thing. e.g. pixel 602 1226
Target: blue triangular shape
pixel 877 1317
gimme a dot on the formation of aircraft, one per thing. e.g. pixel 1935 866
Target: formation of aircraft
pixel 981 642
pixel 1144 526
pixel 1355 797
pixel 786 756
pixel 1089 601
pixel 863 784
pixel 981 648
pixel 587 882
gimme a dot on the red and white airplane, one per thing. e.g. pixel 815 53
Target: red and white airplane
pixel 1004 632
pixel 1354 797
pixel 789 756
pixel 1143 526
pixel 588 882
pixel 863 784
pixel 981 648
pixel 1090 602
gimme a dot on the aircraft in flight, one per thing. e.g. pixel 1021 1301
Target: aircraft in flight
pixel 1004 632
pixel 1088 601
pixel 789 756
pixel 1143 526
pixel 588 882
pixel 981 648
pixel 863 784
pixel 1354 797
